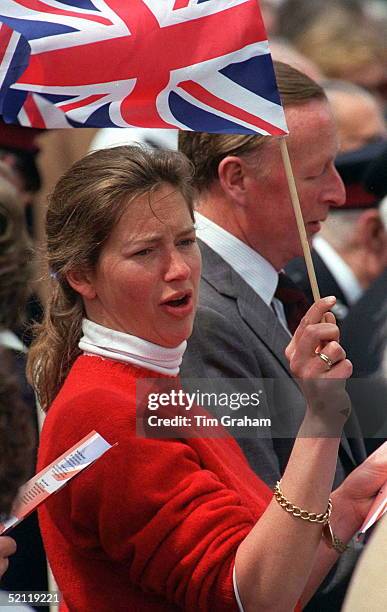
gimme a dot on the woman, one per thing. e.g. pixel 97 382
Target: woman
pixel 160 524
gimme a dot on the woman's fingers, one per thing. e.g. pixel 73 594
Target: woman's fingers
pixel 305 362
pixel 343 369
pixel 329 317
pixel 315 314
pixel 319 361
pixel 331 353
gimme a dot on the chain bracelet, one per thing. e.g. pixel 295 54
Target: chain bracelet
pixel 323 519
pixel 296 511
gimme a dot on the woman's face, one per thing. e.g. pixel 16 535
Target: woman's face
pixel 147 277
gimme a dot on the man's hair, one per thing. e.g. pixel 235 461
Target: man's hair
pixel 206 151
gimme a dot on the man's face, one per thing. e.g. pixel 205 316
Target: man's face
pixel 269 224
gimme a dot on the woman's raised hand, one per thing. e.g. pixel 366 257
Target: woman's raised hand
pixel 319 362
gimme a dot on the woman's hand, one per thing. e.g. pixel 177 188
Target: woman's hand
pixel 7 548
pixel 357 493
pixel 322 377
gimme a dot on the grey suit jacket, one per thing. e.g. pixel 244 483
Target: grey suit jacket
pixel 236 335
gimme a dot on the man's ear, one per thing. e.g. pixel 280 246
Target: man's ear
pixel 81 282
pixel 234 178
pixel 371 231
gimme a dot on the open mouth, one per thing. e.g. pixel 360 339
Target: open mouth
pixel 179 302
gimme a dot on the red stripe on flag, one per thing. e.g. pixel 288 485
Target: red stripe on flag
pixel 5 37
pixel 180 4
pixel 202 95
pixel 36 5
pixel 33 113
pixel 83 102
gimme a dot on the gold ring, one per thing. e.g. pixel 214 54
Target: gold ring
pixel 325 359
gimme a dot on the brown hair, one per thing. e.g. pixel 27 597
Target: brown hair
pixel 85 206
pixel 17 437
pixel 206 151
pixel 344 47
pixel 15 257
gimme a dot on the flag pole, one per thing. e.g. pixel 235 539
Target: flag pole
pixel 299 219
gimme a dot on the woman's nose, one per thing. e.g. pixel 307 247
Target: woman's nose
pixel 177 267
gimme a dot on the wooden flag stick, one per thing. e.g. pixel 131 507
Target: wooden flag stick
pixel 299 219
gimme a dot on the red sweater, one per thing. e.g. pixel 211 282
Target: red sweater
pixel 153 525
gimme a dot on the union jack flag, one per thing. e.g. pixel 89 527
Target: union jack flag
pixel 200 65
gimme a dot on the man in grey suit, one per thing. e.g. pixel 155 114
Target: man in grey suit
pixel 247 234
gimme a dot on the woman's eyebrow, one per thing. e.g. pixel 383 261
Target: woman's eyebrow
pixel 188 230
pixel 152 238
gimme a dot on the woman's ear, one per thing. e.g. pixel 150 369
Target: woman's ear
pixel 81 282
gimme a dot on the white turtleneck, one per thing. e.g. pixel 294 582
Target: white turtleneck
pixel 105 342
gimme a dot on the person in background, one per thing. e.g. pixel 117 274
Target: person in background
pixel 282 51
pixel 16 445
pixel 18 150
pixel 176 523
pixel 27 569
pixel 358 115
pixel 18 153
pixel 16 448
pixel 364 332
pixel 294 17
pixel 350 252
pixel 341 37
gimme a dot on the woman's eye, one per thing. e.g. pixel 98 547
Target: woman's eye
pixel 187 241
pixel 142 253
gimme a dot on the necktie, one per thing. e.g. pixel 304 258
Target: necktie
pixel 293 299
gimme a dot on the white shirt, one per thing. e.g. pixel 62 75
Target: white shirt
pixel 340 270
pixel 255 270
pixel 112 344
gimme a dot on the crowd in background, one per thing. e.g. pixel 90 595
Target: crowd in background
pixel 339 43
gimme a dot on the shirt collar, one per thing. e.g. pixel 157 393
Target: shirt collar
pixel 339 269
pixel 112 344
pixel 256 271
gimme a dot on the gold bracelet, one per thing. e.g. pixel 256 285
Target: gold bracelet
pixel 312 517
pixel 323 519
